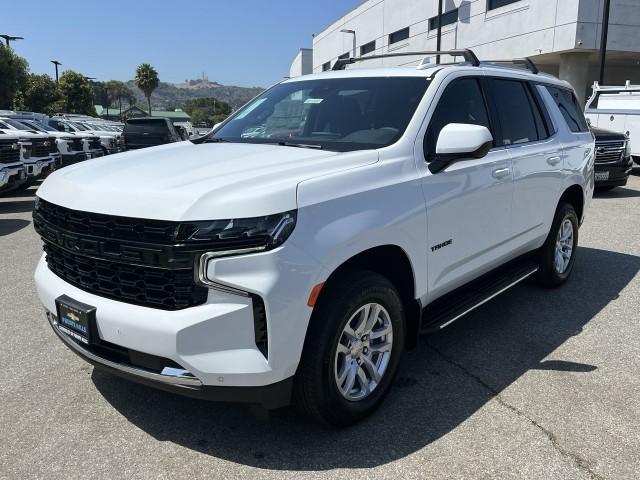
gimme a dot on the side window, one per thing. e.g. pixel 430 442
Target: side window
pixel 513 104
pixel 461 102
pixel 568 106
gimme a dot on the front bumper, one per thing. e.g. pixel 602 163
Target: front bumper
pixel 179 381
pixel 12 176
pixel 39 167
pixel 617 173
pixel 216 341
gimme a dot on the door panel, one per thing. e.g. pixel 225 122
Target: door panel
pixel 469 206
pixel 468 203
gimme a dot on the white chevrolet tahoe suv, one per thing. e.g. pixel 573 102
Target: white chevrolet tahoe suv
pixel 293 253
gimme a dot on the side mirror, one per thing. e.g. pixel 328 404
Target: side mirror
pixel 458 141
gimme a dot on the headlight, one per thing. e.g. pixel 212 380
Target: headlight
pixel 4 175
pixel 247 234
pixel 627 148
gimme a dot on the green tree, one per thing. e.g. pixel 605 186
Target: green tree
pixel 13 74
pixel 40 93
pixel 207 110
pixel 147 81
pixel 77 92
pixel 117 90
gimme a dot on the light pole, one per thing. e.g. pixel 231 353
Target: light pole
pixel 603 39
pixel 352 32
pixel 56 63
pixel 439 36
pixel 9 38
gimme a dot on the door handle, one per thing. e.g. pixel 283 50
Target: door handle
pixel 501 173
pixel 553 160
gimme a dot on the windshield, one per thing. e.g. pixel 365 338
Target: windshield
pixel 78 125
pixel 33 125
pixel 44 127
pixel 341 114
pixel 18 125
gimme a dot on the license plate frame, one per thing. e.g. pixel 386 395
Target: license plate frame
pixel 76 319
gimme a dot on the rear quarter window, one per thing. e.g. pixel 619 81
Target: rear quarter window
pixel 569 108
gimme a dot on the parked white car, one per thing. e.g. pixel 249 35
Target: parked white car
pixel 12 171
pixel 617 109
pixel 375 205
pixel 38 153
pixel 108 140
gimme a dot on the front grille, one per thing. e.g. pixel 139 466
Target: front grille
pixel 131 260
pixel 40 148
pixel 94 143
pixel 9 151
pixel 611 151
pixel 76 145
pixel 53 146
pixel 152 287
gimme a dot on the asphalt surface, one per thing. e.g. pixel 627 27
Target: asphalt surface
pixel 537 384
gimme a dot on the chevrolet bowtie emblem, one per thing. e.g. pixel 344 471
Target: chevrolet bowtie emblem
pixel 73 316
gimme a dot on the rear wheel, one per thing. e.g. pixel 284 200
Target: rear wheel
pixel 352 349
pixel 557 255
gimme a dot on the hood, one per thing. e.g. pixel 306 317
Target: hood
pixel 185 181
pixel 602 135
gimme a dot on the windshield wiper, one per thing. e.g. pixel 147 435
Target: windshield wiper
pixel 299 145
pixel 214 140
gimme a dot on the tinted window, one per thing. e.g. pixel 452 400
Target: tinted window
pixel 447 19
pixel 491 4
pixel 326 66
pixel 341 114
pixel 399 35
pixel 513 107
pixel 571 111
pixel 343 56
pixel 146 126
pixel 367 48
pixel 462 102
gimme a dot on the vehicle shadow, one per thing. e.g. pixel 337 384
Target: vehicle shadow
pixel 11 225
pixel 441 383
pixel 21 206
pixel 618 192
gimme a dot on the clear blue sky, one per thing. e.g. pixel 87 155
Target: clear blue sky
pixel 235 42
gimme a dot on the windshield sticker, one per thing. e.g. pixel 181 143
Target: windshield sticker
pixel 313 100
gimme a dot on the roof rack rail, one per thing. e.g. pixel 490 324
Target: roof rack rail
pixel 526 62
pixel 468 55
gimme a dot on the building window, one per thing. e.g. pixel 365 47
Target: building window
pixel 447 19
pixel 367 48
pixel 398 36
pixel 343 56
pixel 326 66
pixel 493 4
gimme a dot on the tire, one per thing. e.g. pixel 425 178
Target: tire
pixel 316 389
pixel 550 274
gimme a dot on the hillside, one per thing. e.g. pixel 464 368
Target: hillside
pixel 173 95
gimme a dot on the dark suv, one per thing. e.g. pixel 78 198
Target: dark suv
pixel 613 159
pixel 149 132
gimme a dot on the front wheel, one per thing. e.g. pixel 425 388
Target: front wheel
pixel 352 349
pixel 557 256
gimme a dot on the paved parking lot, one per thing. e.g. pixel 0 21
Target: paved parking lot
pixel 537 384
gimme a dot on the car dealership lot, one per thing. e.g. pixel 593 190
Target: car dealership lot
pixel 535 384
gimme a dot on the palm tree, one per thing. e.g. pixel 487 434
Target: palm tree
pixel 147 81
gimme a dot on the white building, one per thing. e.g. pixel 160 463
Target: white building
pixel 303 63
pixel 561 36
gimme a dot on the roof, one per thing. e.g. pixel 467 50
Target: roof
pixel 428 70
